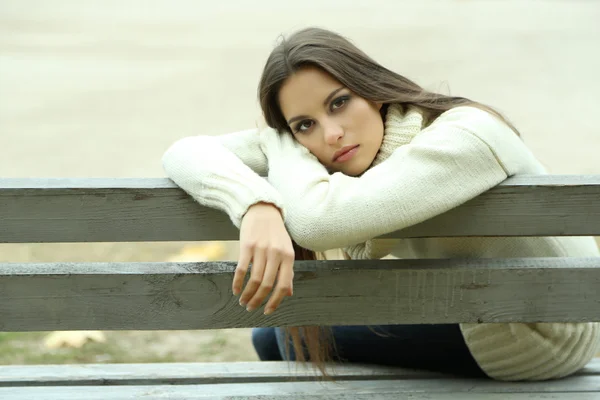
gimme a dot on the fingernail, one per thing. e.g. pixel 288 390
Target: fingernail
pixel 268 311
pixel 249 308
pixel 242 303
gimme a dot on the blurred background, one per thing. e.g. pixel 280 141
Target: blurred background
pixel 101 88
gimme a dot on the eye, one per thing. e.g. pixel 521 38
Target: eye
pixel 303 126
pixel 339 102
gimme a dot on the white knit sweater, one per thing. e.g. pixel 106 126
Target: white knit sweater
pixel 419 172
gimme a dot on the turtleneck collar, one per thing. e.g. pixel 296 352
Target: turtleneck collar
pixel 400 127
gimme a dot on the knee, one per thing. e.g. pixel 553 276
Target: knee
pixel 265 344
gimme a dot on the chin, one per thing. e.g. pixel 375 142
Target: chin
pixel 355 170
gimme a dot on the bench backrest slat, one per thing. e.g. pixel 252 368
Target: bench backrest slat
pixel 131 210
pixel 121 296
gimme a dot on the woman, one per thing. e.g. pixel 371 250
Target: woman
pixel 354 151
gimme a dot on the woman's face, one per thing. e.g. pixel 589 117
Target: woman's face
pixel 344 131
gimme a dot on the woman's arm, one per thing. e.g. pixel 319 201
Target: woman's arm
pixel 222 172
pixel 444 166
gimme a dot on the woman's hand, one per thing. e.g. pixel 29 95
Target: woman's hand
pixel 265 242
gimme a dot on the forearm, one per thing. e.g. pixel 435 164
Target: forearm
pixel 215 176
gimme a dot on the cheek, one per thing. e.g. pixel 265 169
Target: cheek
pixel 369 120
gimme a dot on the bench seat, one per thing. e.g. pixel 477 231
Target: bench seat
pixel 272 380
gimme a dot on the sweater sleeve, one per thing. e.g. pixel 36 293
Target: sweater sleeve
pixel 222 172
pixel 444 166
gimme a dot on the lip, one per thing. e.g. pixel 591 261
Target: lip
pixel 339 155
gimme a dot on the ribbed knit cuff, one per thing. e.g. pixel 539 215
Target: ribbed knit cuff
pixel 236 198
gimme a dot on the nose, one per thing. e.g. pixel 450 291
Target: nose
pixel 332 131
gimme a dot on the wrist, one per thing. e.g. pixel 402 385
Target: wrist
pixel 264 206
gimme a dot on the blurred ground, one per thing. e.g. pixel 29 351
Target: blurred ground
pixel 102 88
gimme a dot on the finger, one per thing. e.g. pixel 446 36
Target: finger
pixel 285 281
pixel 256 275
pixel 240 270
pixel 268 280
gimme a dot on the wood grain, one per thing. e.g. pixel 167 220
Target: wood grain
pixel 121 296
pixel 578 388
pixel 209 373
pixel 155 209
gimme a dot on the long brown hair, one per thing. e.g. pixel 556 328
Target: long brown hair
pixel 337 56
pixel 310 343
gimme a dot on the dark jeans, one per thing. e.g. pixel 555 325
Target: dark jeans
pixel 431 347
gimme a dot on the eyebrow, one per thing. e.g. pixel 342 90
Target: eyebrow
pixel 327 99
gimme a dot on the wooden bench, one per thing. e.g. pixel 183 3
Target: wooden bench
pixel 147 296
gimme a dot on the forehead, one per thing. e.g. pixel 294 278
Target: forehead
pixel 305 91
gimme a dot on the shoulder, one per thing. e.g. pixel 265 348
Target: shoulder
pixel 503 141
pixel 473 120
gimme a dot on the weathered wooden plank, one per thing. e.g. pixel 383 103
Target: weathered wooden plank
pixel 193 373
pixel 106 296
pixel 455 389
pixel 207 373
pixel 194 393
pixel 155 209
